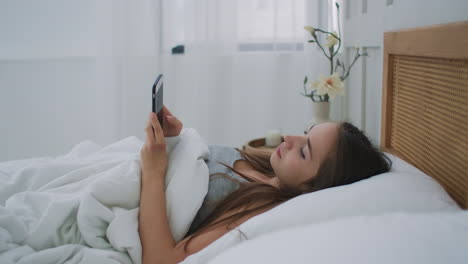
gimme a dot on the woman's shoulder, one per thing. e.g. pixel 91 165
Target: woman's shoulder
pixel 222 151
pixel 222 154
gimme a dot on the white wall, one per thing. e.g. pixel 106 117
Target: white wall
pixel 48 104
pixel 231 99
pixel 74 70
pixel 71 71
pixel 364 86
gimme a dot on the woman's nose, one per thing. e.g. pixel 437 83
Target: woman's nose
pixel 289 140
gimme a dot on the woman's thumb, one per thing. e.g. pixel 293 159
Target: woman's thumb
pixel 170 118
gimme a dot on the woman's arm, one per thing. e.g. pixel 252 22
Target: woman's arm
pixel 155 235
pixel 158 245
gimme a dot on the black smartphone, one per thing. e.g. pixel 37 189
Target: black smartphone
pixel 157 98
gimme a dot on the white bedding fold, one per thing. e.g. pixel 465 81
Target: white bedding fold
pixel 83 207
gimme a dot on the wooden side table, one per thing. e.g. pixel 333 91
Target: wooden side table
pixel 257 146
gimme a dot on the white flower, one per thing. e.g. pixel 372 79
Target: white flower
pixel 310 29
pixel 331 40
pixel 331 85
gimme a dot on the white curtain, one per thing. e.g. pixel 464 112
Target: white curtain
pixel 229 26
pixel 75 70
pixel 243 67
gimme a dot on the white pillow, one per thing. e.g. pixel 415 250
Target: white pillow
pixel 403 189
pixel 437 237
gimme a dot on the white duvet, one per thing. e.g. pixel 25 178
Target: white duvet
pixel 83 207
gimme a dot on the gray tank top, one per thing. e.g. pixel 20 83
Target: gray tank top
pixel 219 186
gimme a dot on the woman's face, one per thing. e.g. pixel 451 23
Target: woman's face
pixel 298 158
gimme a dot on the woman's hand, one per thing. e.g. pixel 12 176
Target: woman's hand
pixel 172 125
pixel 153 153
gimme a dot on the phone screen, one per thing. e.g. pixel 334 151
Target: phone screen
pixel 157 97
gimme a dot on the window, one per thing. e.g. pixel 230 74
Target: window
pixel 235 25
pixel 270 25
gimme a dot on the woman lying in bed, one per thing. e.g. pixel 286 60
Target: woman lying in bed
pixel 243 185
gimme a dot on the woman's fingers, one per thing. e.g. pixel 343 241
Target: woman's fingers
pixel 153 152
pixel 171 119
pixel 149 132
pixel 176 123
pixel 166 111
pixel 158 132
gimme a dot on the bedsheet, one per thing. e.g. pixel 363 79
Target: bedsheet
pixel 82 207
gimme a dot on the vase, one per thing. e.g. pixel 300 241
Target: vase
pixel 320 113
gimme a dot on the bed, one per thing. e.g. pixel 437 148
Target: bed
pixel 416 213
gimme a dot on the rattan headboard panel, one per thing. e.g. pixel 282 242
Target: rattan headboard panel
pixel 425 111
pixel 430 116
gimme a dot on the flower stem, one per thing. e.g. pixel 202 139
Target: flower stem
pixel 343 71
pixel 327 32
pixel 320 46
pixel 339 30
pixel 352 63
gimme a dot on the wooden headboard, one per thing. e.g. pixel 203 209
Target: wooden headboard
pixel 425 102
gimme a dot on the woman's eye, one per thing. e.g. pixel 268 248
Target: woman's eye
pixel 302 153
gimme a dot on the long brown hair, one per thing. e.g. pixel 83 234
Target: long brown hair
pixel 353 159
